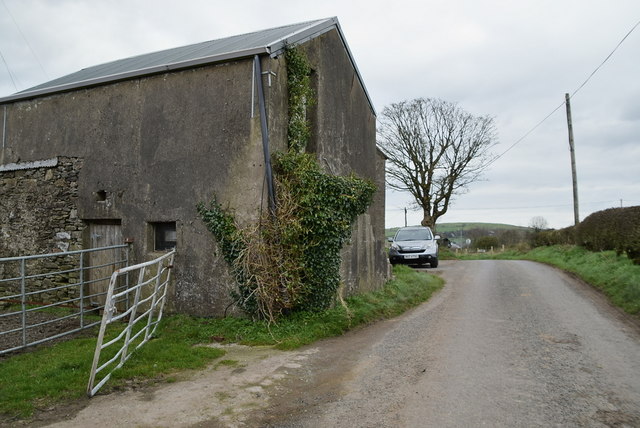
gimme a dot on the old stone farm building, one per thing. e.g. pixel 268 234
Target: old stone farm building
pixel 126 150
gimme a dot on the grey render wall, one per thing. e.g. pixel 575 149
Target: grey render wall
pixel 157 146
pixel 344 139
pixel 152 148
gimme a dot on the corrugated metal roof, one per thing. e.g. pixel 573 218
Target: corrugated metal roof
pixel 270 41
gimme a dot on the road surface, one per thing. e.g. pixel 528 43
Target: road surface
pixel 504 344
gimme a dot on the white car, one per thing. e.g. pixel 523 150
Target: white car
pixel 414 246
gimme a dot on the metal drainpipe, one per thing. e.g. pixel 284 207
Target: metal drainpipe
pixel 265 134
pixel 4 127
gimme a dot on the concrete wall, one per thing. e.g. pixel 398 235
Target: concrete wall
pixel 344 139
pixel 154 147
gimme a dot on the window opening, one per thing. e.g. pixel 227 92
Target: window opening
pixel 165 236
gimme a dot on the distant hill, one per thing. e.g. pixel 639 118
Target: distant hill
pixel 443 228
pixel 452 227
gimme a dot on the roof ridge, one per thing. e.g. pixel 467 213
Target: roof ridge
pixel 311 25
pixel 175 48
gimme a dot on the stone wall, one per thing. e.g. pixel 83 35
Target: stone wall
pixel 39 215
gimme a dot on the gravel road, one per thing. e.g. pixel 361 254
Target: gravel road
pixel 504 344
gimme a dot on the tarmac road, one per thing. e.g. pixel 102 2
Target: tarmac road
pixel 504 344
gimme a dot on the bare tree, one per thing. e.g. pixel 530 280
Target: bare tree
pixel 538 223
pixel 435 150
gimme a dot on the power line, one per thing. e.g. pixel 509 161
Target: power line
pixel 534 206
pixel 519 140
pixel 562 104
pixel 606 59
pixel 9 71
pixel 493 208
pixel 25 40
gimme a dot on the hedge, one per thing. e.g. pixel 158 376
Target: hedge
pixel 615 229
pixel 566 236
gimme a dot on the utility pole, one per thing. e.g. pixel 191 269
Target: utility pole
pixel 576 215
pixel 405 216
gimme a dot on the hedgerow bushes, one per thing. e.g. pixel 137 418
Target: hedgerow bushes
pixel 615 229
pixel 486 242
pixel 566 236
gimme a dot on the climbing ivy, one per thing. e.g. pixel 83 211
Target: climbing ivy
pixel 301 97
pixel 291 260
pixel 232 243
pixel 221 224
pixel 326 206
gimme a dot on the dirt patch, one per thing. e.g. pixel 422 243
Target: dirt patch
pixel 224 394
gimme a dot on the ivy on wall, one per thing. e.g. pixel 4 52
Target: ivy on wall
pixel 291 261
pixel 301 97
pixel 326 206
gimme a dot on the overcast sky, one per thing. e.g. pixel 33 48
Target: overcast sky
pixel 513 60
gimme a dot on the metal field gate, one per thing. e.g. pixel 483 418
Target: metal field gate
pixel 139 322
pixel 48 296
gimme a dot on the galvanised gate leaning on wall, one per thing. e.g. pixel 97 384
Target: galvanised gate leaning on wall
pixel 148 295
pixel 44 297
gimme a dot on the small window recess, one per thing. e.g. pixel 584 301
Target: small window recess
pixel 101 196
pixel 164 235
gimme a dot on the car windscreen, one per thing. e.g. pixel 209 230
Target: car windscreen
pixel 413 235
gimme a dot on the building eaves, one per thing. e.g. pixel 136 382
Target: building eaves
pixel 126 75
pixel 266 42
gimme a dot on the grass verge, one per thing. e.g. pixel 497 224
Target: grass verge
pixel 616 276
pixel 54 374
pixel 408 289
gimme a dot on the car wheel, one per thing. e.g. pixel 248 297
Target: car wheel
pixel 434 263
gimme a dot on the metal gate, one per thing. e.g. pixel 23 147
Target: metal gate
pixel 47 296
pixel 148 296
